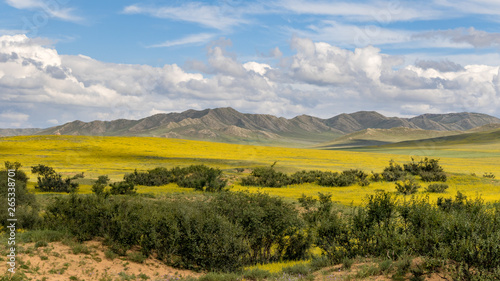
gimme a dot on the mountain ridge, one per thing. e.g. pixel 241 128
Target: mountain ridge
pixel 229 125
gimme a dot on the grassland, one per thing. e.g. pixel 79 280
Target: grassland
pixel 116 156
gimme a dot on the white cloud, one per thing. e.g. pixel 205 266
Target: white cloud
pixel 196 12
pixel 470 36
pixel 320 79
pixel 14 116
pixel 190 39
pixel 52 8
pixel 326 64
pixel 260 68
pixel 375 11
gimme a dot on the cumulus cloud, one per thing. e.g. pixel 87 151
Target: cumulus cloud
pixel 326 64
pixel 442 66
pixel 37 84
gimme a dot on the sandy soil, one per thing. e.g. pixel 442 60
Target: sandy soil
pixel 57 262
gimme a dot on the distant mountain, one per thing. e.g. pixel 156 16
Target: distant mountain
pixel 370 137
pixel 18 132
pixel 483 137
pixel 229 125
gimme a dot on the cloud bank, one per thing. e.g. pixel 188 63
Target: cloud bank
pixel 40 87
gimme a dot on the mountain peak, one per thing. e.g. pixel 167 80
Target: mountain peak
pixel 221 124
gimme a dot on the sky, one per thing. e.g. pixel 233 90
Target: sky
pixel 66 60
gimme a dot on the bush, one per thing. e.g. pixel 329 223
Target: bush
pixel 50 181
pixel 305 177
pixel 407 186
pixel 100 184
pixel 271 226
pixel 428 169
pixel 123 188
pixel 267 177
pixel 437 187
pixel 136 257
pixel 394 172
pixel 297 269
pixel 376 177
pixel 199 177
pixel 489 175
pixel 256 274
pixel 433 176
pixel 26 206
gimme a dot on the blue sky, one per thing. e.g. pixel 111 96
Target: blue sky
pixel 63 60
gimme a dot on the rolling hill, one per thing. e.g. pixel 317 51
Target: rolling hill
pixel 371 137
pixel 229 125
pixel 18 132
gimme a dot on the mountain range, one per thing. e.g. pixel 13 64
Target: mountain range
pixel 229 125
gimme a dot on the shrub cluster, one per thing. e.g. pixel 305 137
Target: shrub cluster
pixel 26 207
pixel 269 177
pixel 427 169
pixel 460 230
pixel 437 187
pixel 199 177
pixel 224 233
pixel 51 181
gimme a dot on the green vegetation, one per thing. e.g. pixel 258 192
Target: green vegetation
pixel 51 181
pixel 269 177
pixel 437 187
pixel 199 177
pixel 223 232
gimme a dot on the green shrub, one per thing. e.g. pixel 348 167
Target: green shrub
pixel 385 266
pixel 201 177
pixel 376 177
pixel 266 176
pixel 347 263
pixel 305 177
pixel 110 255
pixel 393 172
pixel 267 222
pixel 123 188
pixel 50 181
pixel 407 186
pixel 433 176
pixel 319 262
pixel 437 187
pixel 489 175
pixel 26 205
pixel 137 257
pixel 36 235
pixel 78 248
pixel 40 244
pixel 428 169
pixel 100 184
pixel 256 274
pixel 212 276
pixel 297 269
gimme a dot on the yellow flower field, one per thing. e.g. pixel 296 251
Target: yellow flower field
pixel 116 156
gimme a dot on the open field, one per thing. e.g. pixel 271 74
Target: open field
pixel 465 163
pixel 116 156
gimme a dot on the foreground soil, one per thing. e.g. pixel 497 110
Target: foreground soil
pixel 88 261
pixel 58 261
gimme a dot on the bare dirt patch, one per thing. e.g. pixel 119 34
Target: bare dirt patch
pixel 58 261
